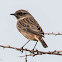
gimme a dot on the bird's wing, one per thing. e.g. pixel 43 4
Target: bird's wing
pixel 29 24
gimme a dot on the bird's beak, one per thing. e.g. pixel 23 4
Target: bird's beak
pixel 12 14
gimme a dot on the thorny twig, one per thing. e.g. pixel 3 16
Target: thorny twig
pixel 35 52
pixel 53 33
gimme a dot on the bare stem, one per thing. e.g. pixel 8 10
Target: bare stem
pixel 52 33
pixel 35 52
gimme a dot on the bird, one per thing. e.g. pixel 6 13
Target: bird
pixel 29 27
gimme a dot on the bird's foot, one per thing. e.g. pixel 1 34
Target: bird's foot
pixel 21 49
pixel 33 50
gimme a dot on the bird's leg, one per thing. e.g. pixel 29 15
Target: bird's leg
pixel 25 43
pixel 23 46
pixel 35 45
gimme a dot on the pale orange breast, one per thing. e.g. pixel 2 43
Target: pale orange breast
pixel 29 36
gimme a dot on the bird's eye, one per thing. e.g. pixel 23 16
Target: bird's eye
pixel 21 13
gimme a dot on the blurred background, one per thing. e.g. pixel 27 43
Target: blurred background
pixel 48 13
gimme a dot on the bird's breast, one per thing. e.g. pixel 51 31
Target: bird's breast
pixel 28 35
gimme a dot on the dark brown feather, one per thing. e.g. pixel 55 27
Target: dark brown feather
pixel 43 43
pixel 31 25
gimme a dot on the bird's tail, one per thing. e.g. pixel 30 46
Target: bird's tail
pixel 43 43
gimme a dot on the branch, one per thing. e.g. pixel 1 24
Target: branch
pixel 26 58
pixel 34 52
pixel 53 33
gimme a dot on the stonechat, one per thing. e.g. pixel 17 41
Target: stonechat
pixel 29 27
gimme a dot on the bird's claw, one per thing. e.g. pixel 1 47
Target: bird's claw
pixel 21 49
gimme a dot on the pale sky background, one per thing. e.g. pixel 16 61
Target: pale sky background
pixel 48 13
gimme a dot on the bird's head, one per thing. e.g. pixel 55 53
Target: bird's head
pixel 20 13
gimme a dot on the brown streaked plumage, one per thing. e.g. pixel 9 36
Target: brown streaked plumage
pixel 28 26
